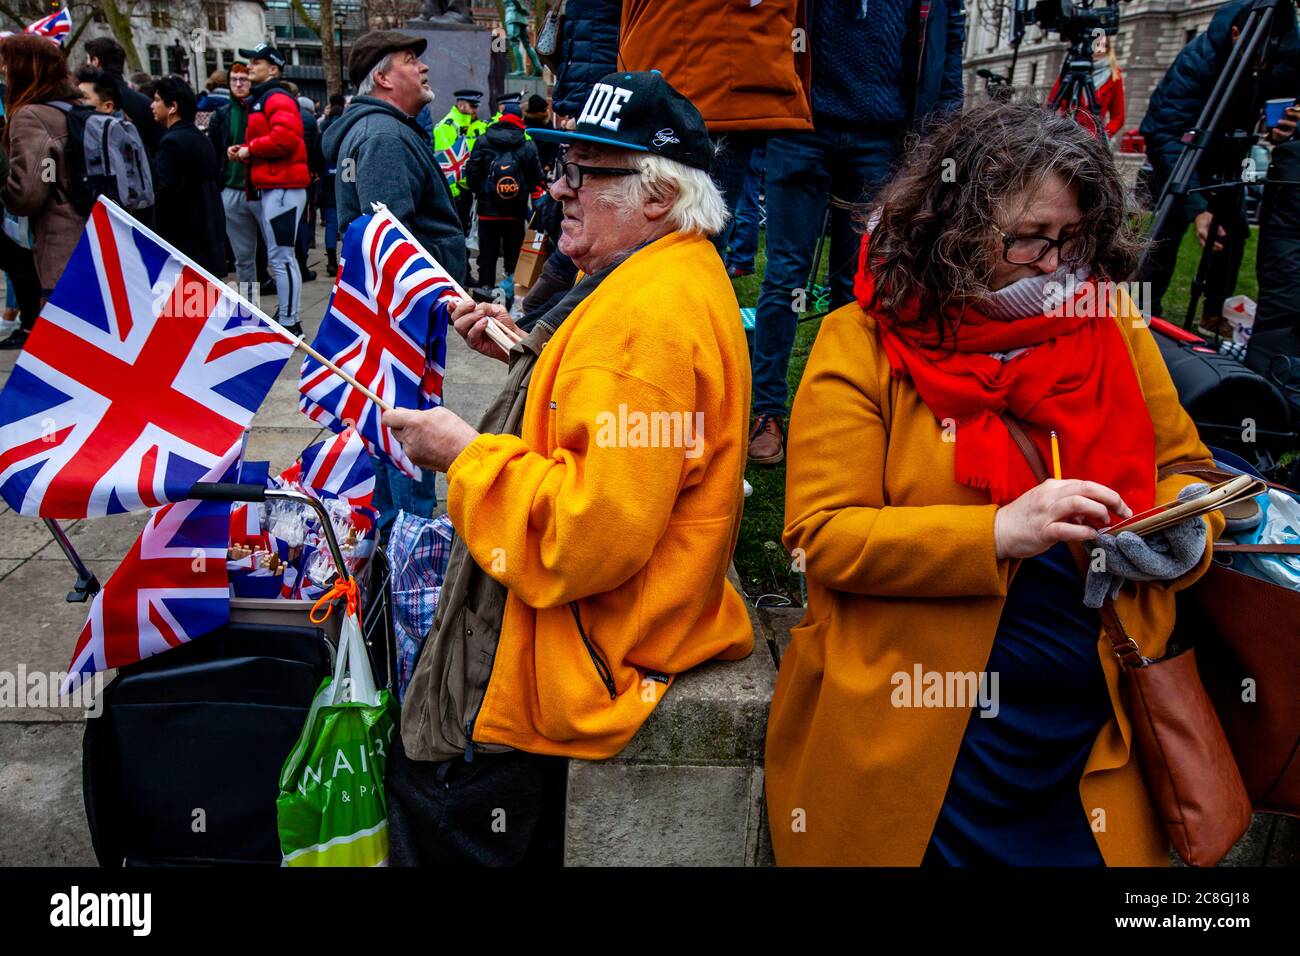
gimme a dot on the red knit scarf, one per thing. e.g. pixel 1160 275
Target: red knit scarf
pixel 1076 379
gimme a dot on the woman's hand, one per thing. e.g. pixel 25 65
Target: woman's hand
pixel 1056 510
pixel 470 320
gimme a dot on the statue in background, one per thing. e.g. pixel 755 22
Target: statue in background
pixel 444 11
pixel 517 17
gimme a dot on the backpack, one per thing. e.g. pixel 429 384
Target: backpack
pixel 504 180
pixel 105 157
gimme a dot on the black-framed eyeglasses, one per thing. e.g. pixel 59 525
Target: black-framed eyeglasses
pixel 572 173
pixel 1026 250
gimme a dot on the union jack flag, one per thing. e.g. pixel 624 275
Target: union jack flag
pixel 452 160
pixel 245 520
pixel 339 468
pixel 55 27
pixel 386 325
pixel 171 587
pixel 140 375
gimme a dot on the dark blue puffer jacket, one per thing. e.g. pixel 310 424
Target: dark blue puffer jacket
pixel 588 51
pixel 1183 91
pixel 1180 95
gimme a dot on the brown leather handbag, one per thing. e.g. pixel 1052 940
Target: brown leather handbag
pixel 1189 768
pixel 1246 631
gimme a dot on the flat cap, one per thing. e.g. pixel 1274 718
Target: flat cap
pixel 372 47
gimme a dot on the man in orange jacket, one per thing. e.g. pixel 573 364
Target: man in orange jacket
pixel 747 68
pixel 610 513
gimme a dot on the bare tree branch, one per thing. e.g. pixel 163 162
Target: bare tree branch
pixel 312 24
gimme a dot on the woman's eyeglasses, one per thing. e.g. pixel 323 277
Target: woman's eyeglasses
pixel 1026 250
pixel 572 173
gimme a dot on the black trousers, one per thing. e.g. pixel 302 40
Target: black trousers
pixel 498 239
pixel 306 228
pixel 730 167
pixel 465 207
pixel 502 809
pixel 1277 323
pixel 17 263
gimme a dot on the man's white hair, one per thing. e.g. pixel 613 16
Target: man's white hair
pixel 367 86
pixel 698 208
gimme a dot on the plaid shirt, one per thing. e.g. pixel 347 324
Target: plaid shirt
pixel 418 549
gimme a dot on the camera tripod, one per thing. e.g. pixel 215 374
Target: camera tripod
pixel 1075 89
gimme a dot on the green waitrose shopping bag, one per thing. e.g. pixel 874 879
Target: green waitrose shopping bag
pixel 332 810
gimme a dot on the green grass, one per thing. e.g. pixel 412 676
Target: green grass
pixel 1189 256
pixel 761 560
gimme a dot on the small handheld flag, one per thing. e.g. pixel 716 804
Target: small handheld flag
pixel 56 26
pixel 386 327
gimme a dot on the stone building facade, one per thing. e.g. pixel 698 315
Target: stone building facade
pixel 164 33
pixel 1150 35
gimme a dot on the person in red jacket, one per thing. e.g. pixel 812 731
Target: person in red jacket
pixel 1109 83
pixel 278 176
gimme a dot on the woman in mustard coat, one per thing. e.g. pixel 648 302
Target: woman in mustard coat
pixel 948 698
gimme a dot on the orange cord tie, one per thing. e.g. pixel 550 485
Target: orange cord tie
pixel 339 588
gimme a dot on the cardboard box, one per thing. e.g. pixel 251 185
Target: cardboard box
pixel 532 256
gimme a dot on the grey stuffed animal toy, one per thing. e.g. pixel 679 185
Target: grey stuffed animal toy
pixel 1162 556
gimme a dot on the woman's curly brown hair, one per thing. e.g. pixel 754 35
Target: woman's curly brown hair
pixel 932 241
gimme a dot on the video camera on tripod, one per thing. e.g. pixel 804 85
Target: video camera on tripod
pixel 1079 24
pixel 1075 22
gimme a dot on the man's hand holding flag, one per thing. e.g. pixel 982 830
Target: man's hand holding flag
pixel 386 328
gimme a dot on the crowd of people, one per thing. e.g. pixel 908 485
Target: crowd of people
pixel 224 177
pixel 948 230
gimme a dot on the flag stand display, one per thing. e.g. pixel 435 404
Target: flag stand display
pixel 87 584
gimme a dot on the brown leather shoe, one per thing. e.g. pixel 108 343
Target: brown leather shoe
pixel 1216 325
pixel 767 441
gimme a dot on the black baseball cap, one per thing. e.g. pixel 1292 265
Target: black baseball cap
pixel 264 51
pixel 639 111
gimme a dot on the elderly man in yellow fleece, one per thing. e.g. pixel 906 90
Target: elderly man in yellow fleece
pixel 597 511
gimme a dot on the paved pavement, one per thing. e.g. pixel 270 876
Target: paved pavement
pixel 42 819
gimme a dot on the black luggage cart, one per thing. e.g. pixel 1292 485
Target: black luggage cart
pixel 182 764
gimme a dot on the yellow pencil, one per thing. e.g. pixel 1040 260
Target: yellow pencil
pixel 1056 458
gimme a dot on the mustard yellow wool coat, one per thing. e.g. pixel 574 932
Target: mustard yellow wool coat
pixel 902 571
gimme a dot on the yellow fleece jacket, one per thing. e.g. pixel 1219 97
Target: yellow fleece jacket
pixel 622 494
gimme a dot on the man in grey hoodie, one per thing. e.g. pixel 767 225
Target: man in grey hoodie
pixel 382 155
